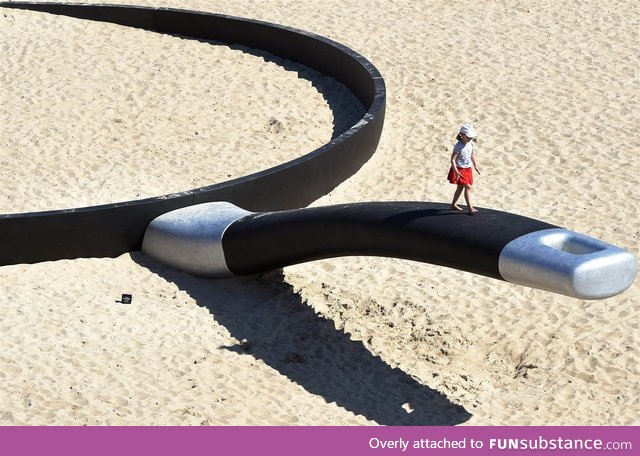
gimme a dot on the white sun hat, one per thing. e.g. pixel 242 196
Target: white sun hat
pixel 468 130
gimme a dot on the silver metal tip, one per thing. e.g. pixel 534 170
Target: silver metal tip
pixel 569 263
pixel 190 238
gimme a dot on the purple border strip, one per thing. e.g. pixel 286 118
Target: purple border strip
pixel 312 441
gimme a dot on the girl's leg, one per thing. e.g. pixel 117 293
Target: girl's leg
pixel 456 196
pixel 467 198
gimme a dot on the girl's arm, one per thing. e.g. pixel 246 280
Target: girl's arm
pixel 474 161
pixel 453 164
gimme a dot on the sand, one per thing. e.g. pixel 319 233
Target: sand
pixel 93 113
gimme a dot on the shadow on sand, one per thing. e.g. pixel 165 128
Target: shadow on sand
pixel 346 109
pixel 286 334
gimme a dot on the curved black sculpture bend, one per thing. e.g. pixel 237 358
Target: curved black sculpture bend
pixel 113 229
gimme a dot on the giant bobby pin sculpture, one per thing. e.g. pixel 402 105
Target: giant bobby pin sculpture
pixel 258 222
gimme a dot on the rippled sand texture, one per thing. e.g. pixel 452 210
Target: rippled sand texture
pixel 552 88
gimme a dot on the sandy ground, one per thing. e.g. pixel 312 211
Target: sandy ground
pixel 92 113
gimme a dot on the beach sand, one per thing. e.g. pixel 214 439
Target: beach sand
pixel 92 113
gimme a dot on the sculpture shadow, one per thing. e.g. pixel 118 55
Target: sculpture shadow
pixel 345 107
pixel 277 327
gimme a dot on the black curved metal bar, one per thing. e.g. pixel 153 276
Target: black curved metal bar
pixel 113 229
pixel 211 231
pixel 426 232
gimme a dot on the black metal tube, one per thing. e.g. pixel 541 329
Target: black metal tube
pixel 426 232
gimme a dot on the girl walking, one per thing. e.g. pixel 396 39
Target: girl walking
pixel 462 161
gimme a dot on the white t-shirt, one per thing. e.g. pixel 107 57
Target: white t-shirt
pixel 463 154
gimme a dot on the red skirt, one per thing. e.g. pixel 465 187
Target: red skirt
pixel 466 179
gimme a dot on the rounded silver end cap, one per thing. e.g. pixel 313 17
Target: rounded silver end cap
pixel 569 263
pixel 190 238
